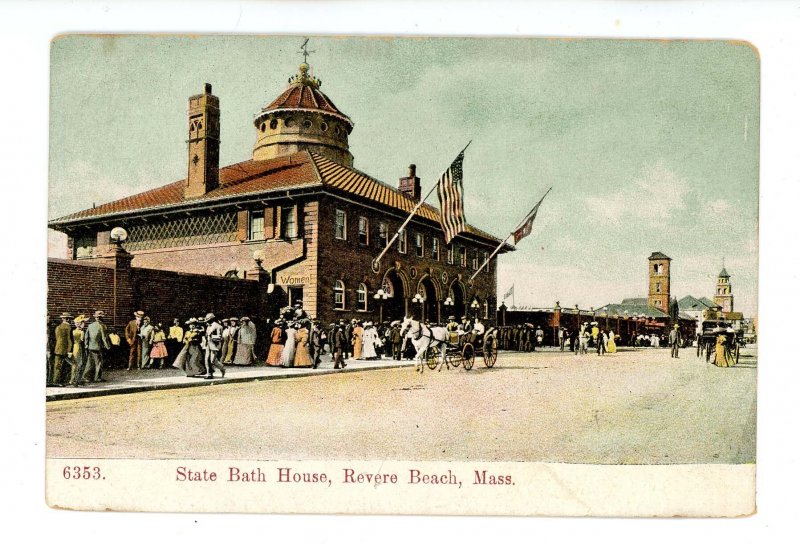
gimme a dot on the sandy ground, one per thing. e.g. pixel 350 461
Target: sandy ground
pixel 637 407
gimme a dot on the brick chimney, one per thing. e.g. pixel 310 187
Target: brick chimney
pixel 204 131
pixel 410 185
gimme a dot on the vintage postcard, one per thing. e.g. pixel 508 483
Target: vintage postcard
pixel 389 275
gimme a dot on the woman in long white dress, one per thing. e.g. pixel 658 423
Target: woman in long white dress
pixel 369 341
pixel 287 357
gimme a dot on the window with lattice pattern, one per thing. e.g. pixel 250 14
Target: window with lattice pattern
pixel 186 231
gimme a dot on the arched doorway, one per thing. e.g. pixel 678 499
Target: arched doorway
pixel 457 296
pixel 395 305
pixel 430 304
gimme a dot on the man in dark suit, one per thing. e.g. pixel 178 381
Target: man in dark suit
pixel 339 344
pixel 674 341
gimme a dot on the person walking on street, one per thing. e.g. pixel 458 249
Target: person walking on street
pixel 602 338
pixel 674 341
pixel 62 349
pixel 561 338
pixel 146 334
pixel 315 340
pixel 213 346
pixel 134 340
pixel 175 340
pixel 245 342
pixel 95 341
pixel 397 340
pixel 78 351
pixel 158 351
pixel 339 343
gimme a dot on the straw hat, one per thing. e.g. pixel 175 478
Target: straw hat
pixel 139 313
pixel 99 313
pixel 65 315
pixel 210 316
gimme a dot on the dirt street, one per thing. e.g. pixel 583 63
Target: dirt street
pixel 634 407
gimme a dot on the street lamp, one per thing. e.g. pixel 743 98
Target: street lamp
pixel 118 235
pixel 418 300
pixel 475 306
pixel 381 296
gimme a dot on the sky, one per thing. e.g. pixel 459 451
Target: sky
pixel 648 145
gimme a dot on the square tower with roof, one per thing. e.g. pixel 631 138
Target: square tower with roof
pixel 658 281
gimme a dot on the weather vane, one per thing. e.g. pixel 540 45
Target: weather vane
pixel 304 51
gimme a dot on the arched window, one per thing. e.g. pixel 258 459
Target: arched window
pixel 362 297
pixel 338 295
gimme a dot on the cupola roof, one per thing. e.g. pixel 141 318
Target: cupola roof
pixel 303 94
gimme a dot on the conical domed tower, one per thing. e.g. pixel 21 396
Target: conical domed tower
pixel 302 117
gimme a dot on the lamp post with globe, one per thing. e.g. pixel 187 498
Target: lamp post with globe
pixel 418 301
pixel 380 296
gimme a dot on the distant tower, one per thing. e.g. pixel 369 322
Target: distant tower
pixel 203 169
pixel 724 297
pixel 658 273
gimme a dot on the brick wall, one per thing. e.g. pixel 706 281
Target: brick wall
pixel 85 286
pixel 349 261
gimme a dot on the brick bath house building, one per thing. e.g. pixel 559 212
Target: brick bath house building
pixel 298 217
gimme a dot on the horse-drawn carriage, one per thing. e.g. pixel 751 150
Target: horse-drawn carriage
pixel 707 341
pixel 437 347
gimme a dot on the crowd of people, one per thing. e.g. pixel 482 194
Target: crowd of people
pixel 590 335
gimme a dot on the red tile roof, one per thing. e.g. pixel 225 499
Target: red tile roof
pixel 251 178
pixel 303 96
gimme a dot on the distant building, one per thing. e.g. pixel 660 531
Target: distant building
pixel 724 295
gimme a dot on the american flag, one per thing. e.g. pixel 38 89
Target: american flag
pixel 509 292
pixel 451 199
pixel 527 225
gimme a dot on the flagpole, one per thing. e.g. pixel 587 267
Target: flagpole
pixel 498 248
pixel 509 236
pixel 377 261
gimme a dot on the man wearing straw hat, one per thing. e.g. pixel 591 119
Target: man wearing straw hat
pixel 213 346
pixel 62 349
pixel 134 340
pixel 95 340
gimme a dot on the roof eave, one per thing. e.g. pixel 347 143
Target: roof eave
pixel 182 206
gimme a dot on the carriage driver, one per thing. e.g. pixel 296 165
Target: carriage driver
pixel 452 329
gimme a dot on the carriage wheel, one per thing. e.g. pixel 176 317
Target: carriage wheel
pixel 489 352
pixel 736 355
pixel 468 356
pixel 708 352
pixel 433 358
pixel 454 359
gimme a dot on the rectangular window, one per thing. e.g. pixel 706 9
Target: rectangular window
pixel 363 231
pixel 288 222
pixel 255 229
pixel 475 263
pixel 85 245
pixel 362 297
pixel 462 251
pixel 435 248
pixel 383 234
pixel 338 295
pixel 340 227
pixel 486 256
pixel 295 295
pixel 419 244
pixel 450 254
pixel 402 241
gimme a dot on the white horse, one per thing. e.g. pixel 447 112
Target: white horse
pixel 423 337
